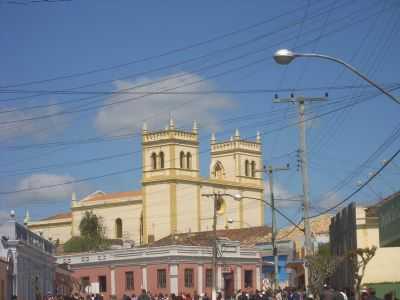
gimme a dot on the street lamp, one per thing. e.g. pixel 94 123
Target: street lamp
pixel 231 221
pixel 217 196
pixel 285 57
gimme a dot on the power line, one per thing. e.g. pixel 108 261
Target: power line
pixel 205 92
pixel 129 169
pixel 152 57
pixel 360 187
pixel 169 89
pixel 28 2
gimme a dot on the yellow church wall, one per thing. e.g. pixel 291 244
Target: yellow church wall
pixel 128 211
pixel 158 217
pixel 387 259
pixel 187 209
pixel 206 208
pixel 229 164
pixel 194 170
pixel 60 230
pixel 243 213
pixel 148 171
pixel 253 210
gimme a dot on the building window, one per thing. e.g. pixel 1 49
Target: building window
pixel 102 284
pixel 253 169
pixel 209 278
pixel 118 228
pixel 154 161
pixel 188 278
pixel 129 281
pixel 246 168
pixel 182 160
pixel 218 170
pixel 161 279
pixel 248 278
pixel 162 160
pixel 85 281
pixel 188 160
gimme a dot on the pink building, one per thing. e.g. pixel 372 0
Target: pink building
pixel 170 268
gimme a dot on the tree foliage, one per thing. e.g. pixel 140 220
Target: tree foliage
pixel 360 258
pixel 91 238
pixel 321 267
pixel 91 226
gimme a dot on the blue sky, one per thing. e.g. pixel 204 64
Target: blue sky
pixel 45 40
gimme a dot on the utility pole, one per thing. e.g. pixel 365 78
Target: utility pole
pixel 301 100
pixel 217 198
pixel 270 170
pixel 215 250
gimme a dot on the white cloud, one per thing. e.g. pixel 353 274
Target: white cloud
pixel 56 193
pixel 280 194
pixel 38 128
pixel 155 109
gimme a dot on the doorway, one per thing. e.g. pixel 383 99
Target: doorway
pixel 229 285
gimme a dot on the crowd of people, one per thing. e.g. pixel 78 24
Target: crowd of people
pixel 326 293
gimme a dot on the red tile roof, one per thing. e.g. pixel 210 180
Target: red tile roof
pixel 58 216
pixel 110 196
pixel 247 237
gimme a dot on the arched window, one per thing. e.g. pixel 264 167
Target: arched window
pixel 118 228
pixel 162 160
pixel 253 169
pixel 154 161
pixel 182 159
pixel 246 168
pixel 218 171
pixel 188 160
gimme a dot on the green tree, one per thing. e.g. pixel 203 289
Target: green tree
pixel 360 258
pixel 91 238
pixel 321 267
pixel 91 226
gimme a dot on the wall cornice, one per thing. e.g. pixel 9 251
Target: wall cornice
pixel 219 183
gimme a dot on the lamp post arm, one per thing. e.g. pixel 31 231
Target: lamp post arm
pixel 277 210
pixel 351 68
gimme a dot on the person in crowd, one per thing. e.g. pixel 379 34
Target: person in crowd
pixel 327 293
pixel 364 294
pixel 143 295
pixel 278 294
pixel 372 295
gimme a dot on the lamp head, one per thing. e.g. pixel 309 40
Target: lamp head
pixel 284 56
pixel 237 197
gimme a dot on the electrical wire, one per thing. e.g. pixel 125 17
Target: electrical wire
pixel 156 56
pixel 351 195
pixel 133 99
pixel 124 171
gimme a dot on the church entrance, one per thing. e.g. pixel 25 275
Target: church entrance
pixel 229 286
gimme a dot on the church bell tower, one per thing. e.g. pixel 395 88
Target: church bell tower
pixel 170 159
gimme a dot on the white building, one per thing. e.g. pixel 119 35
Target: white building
pixel 31 259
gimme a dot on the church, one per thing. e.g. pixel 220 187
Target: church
pixel 173 198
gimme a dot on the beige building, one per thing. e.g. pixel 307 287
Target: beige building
pixel 172 198
pixel 358 227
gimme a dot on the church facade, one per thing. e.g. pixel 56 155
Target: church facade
pixel 174 198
